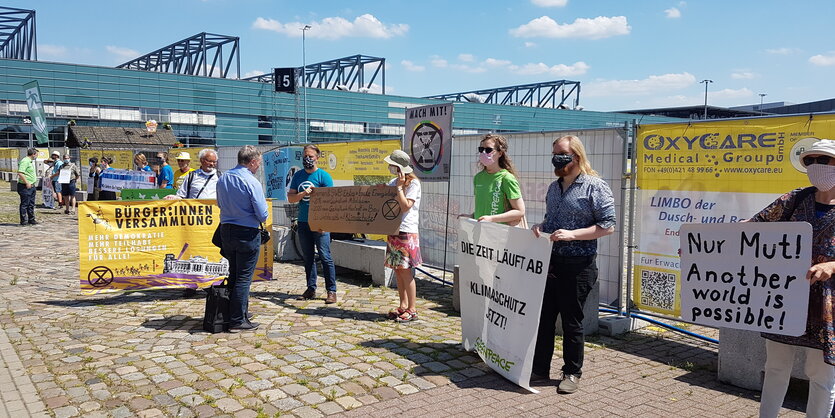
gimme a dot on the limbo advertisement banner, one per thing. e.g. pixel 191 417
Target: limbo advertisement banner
pixel 428 140
pixel 159 244
pixel 709 172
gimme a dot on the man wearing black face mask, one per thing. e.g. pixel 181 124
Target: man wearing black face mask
pixel 579 210
pixel 302 187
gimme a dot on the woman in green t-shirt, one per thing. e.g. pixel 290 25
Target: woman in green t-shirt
pixel 498 197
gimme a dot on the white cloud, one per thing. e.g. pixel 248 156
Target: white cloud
pixel 559 70
pixel 493 62
pixel 365 26
pixel 730 94
pixel 549 3
pixel 438 62
pixel 466 57
pixel 51 51
pixel 530 44
pixel 823 60
pixel 468 68
pixel 253 73
pixel 410 66
pixel 782 51
pixel 744 75
pixel 122 53
pixel 672 13
pixel 597 28
pixel 651 85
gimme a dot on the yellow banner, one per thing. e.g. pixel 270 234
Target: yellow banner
pixel 158 244
pixel 356 161
pixel 750 155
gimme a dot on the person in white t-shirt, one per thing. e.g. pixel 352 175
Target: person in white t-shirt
pixel 403 249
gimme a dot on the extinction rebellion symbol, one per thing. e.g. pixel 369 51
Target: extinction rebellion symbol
pixel 391 209
pixel 427 145
pixel 100 276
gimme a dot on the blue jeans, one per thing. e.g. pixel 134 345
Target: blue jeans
pixel 27 203
pixel 241 246
pixel 322 241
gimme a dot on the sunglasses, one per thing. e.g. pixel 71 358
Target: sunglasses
pixel 820 159
pixel 488 150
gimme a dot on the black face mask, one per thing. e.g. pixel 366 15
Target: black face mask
pixel 561 160
pixel 308 162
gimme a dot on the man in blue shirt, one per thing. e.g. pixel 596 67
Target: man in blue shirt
pixel 579 209
pixel 302 187
pixel 242 210
pixel 165 180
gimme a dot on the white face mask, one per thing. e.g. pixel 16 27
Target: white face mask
pixel 393 170
pixel 821 176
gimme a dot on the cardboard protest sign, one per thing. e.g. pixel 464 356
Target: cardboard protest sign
pixel 159 244
pixel 748 276
pixel 502 280
pixel 356 209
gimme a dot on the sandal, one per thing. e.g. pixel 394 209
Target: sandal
pixel 407 316
pixel 395 312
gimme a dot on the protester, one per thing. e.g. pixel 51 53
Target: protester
pixel 93 175
pixel 56 168
pixel 498 197
pixel 243 208
pixel 26 187
pixel 68 189
pixel 183 161
pixel 46 186
pixel 579 210
pixel 141 162
pixel 105 165
pixel 165 177
pixel 302 187
pixel 403 249
pixel 200 184
pixel 815 206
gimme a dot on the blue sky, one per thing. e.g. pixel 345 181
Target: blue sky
pixel 626 54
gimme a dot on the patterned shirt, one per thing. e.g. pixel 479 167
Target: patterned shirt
pixel 820 321
pixel 588 201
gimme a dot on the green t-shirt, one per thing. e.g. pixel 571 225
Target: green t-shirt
pixel 492 192
pixel 27 167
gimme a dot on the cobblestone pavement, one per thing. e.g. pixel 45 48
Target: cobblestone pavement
pixel 143 353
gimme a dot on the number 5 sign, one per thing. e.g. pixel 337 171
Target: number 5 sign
pixel 285 80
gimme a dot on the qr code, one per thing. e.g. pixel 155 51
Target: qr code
pixel 658 289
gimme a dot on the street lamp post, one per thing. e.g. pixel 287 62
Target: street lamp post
pixel 706 83
pixel 304 80
pixel 761 100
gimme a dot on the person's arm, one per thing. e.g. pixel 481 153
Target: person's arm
pixel 293 196
pixel 22 179
pixel 603 208
pixel 405 202
pixel 181 191
pixel 821 272
pixel 259 202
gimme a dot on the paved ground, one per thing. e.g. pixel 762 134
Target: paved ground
pixel 143 353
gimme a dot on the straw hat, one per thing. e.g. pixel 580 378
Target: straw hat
pixel 183 156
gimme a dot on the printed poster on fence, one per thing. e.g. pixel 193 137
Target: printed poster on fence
pixel 749 276
pixel 502 280
pixel 428 140
pixel 158 244
pixel 114 180
pixel 709 172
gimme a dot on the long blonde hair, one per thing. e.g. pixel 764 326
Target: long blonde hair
pixel 500 143
pixel 579 151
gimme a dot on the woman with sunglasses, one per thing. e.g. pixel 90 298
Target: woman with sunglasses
pixel 813 205
pixel 498 197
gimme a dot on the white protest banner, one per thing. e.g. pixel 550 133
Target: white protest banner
pixel 114 180
pixel 502 272
pixel 64 175
pixel 749 276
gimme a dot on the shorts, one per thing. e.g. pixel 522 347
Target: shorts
pixel 403 251
pixel 68 190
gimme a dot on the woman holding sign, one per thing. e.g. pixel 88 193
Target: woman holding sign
pixel 815 206
pixel 498 197
pixel 403 250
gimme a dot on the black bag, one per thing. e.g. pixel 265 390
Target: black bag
pixel 216 240
pixel 217 307
pixel 265 234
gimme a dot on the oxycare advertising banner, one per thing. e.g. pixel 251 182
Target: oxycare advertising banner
pixel 709 172
pixel 502 279
pixel 156 244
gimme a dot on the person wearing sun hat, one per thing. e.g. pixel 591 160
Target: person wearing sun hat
pixel 403 249
pixel 813 205
pixel 183 161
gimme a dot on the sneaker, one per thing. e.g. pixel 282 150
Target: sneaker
pixel 308 294
pixel 569 383
pixel 244 326
pixel 33 222
pixel 331 298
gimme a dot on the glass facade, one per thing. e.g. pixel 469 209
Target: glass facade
pixel 222 112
